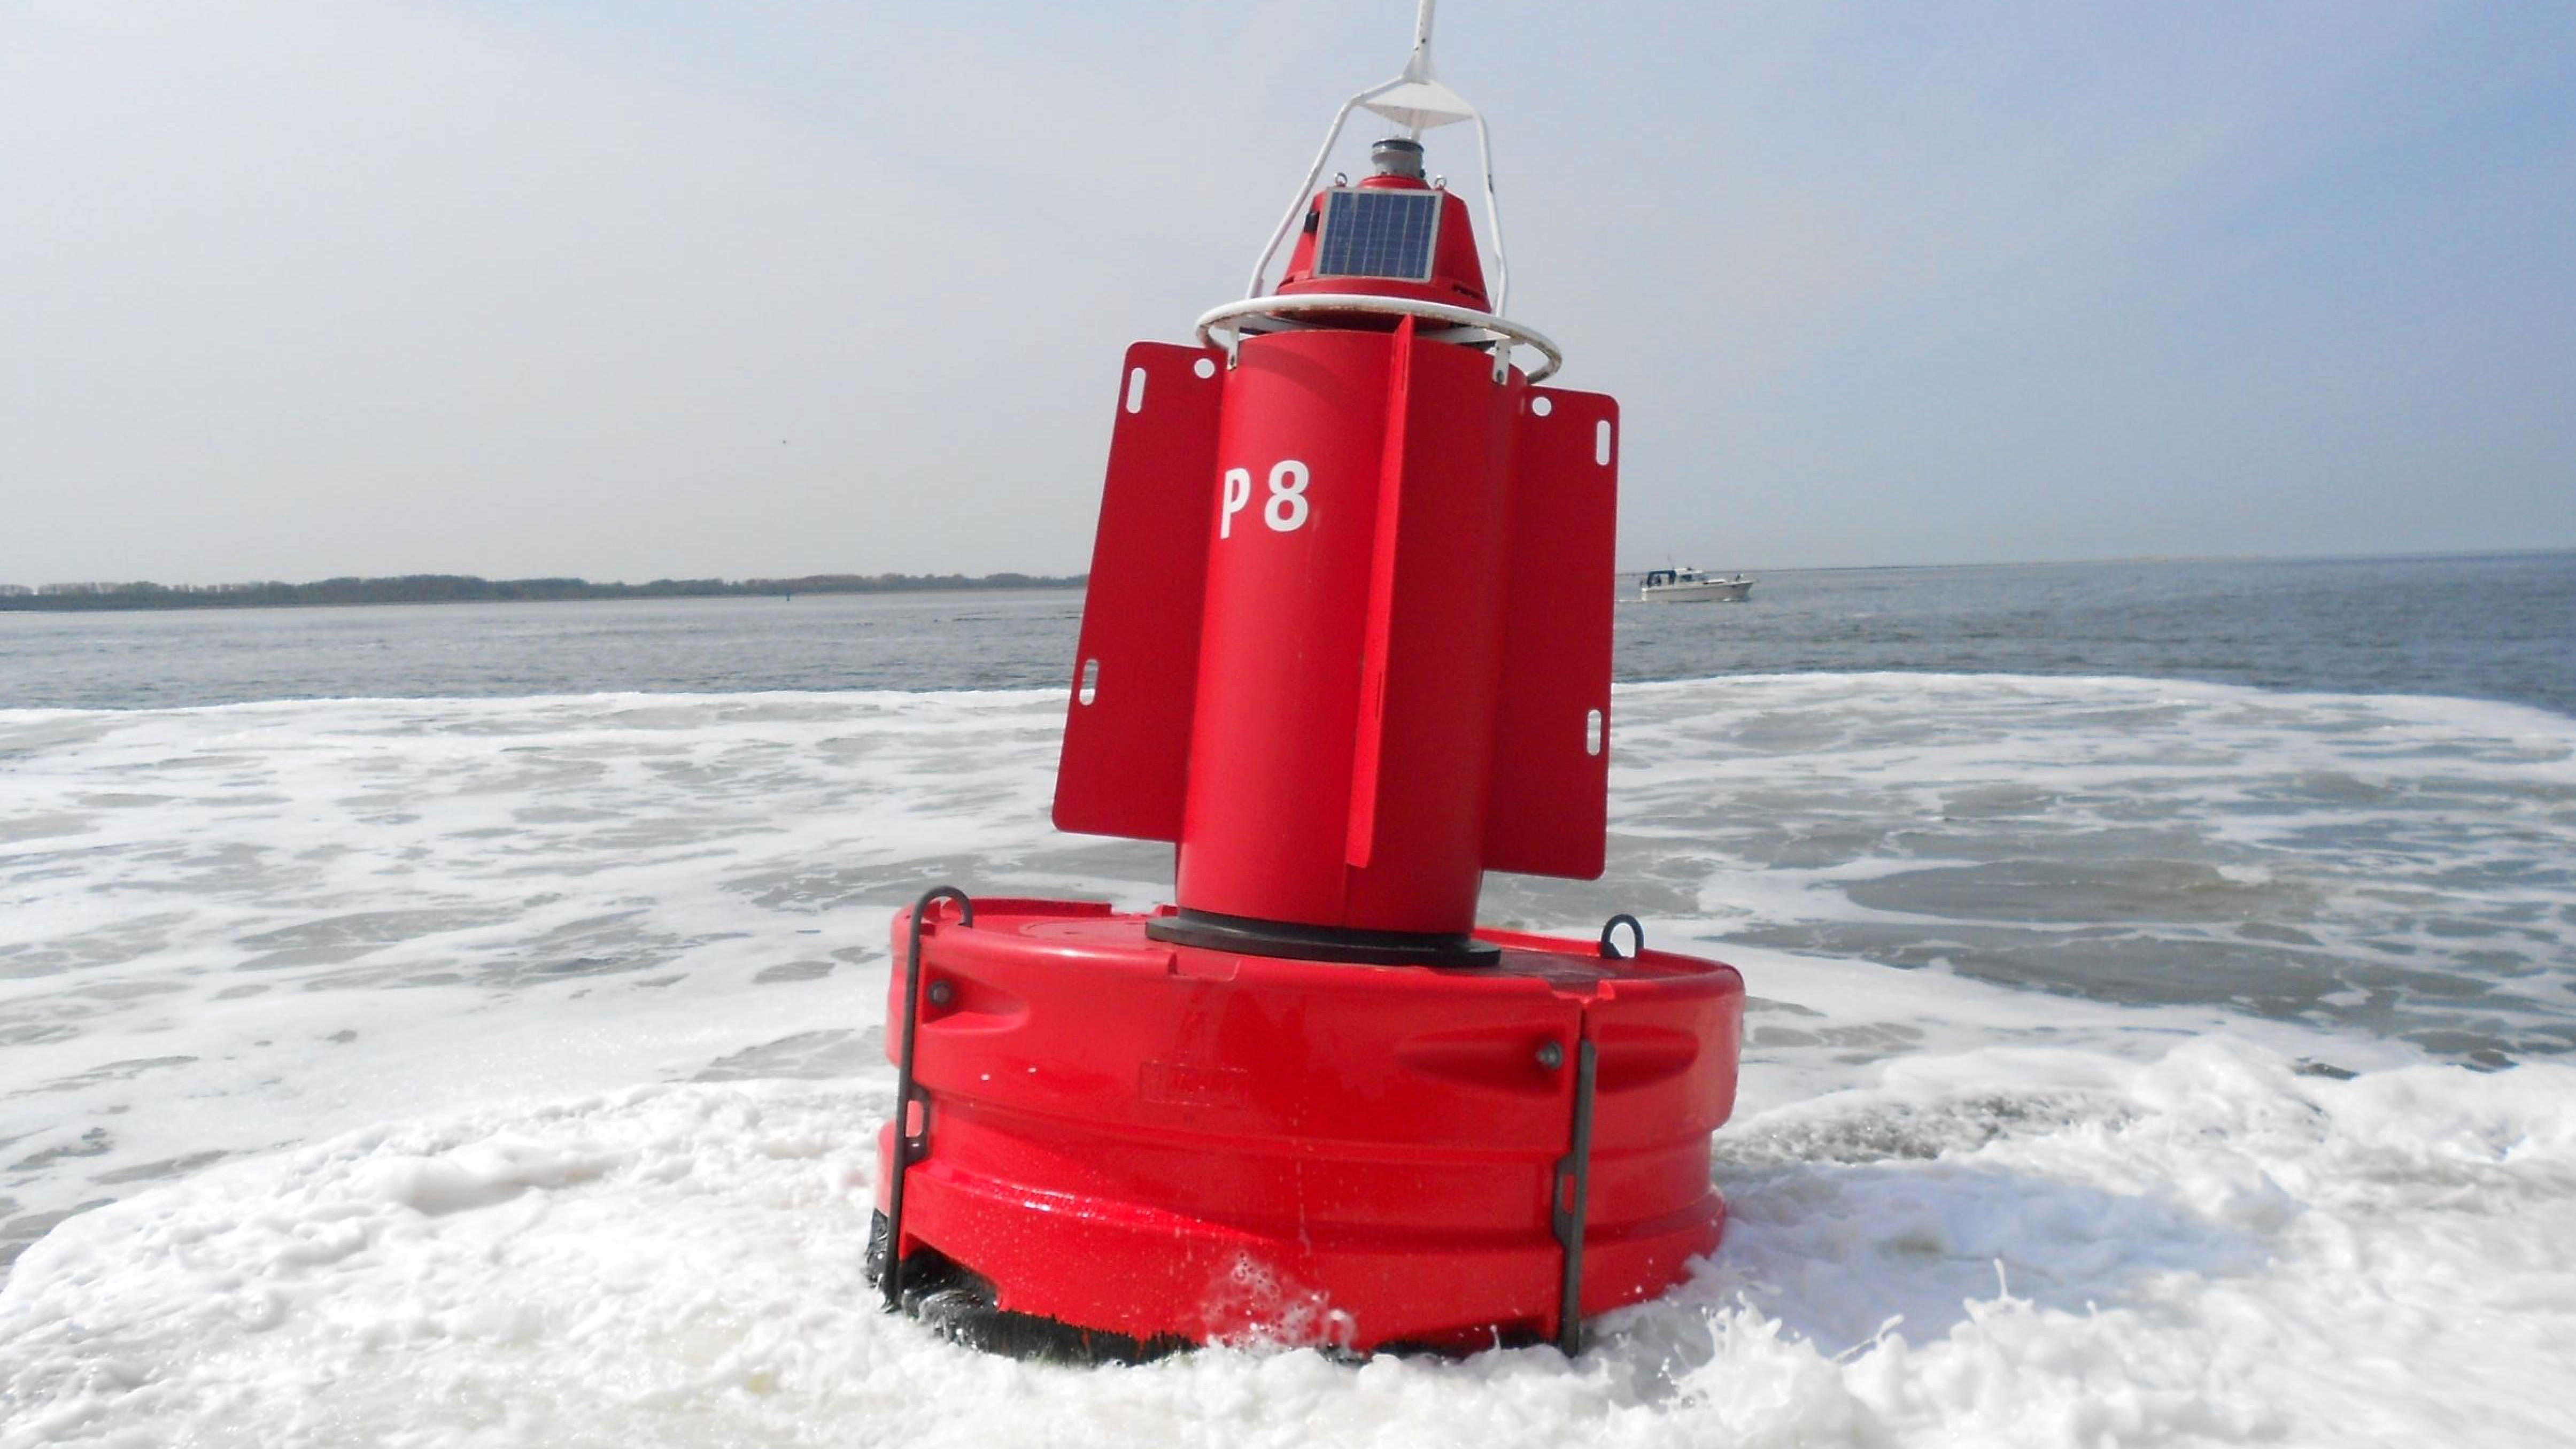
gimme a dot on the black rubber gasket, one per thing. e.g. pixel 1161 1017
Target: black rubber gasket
pixel 1249 936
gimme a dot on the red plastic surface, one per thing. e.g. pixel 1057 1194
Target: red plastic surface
pixel 1549 810
pixel 1156 1139
pixel 1126 743
pixel 1348 721
pixel 1348 665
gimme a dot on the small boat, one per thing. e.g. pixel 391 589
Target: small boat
pixel 1690 586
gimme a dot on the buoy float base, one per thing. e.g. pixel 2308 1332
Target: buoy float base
pixel 1129 1145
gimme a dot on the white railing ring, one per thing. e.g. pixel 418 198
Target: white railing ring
pixel 1234 319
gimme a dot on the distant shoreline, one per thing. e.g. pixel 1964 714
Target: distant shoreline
pixel 471 589
pixel 467 589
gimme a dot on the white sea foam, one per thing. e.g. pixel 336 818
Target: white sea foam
pixel 2012 1246
pixel 558 944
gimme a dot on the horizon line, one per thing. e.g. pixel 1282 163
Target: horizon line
pixel 99 586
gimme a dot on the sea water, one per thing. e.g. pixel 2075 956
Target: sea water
pixel 2150 1042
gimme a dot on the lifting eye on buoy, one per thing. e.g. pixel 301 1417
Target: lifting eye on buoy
pixel 1637 936
pixel 1346 647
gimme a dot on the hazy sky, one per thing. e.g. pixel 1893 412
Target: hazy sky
pixel 631 290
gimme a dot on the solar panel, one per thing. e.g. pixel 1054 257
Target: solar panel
pixel 1378 234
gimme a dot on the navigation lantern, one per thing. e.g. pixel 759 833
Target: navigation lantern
pixel 1347 647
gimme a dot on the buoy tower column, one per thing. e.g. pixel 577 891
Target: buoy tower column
pixel 1347 647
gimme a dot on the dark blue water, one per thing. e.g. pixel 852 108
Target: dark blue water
pixel 2488 627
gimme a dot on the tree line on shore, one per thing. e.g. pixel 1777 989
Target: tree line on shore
pixel 465 588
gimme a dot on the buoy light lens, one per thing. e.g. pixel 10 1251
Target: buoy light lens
pixel 1396 156
pixel 1378 234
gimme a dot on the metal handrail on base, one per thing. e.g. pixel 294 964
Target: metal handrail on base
pixel 1235 319
pixel 910 1146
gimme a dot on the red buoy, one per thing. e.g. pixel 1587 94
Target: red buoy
pixel 1347 646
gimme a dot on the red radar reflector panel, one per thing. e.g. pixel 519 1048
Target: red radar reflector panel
pixel 1125 767
pixel 1548 806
